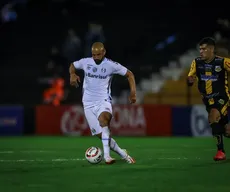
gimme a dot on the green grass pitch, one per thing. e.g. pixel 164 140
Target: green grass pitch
pixel 56 164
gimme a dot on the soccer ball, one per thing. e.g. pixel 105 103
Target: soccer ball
pixel 93 155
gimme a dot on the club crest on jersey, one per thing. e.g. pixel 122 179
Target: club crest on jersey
pixel 103 70
pixel 221 101
pixel 94 69
pixel 218 68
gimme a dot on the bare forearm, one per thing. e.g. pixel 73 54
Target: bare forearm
pixel 72 69
pixel 132 83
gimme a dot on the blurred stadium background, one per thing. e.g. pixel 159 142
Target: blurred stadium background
pixel 39 39
pixel 155 40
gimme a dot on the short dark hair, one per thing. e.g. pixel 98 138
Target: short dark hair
pixel 208 41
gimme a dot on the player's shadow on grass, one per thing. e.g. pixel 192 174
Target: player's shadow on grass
pixel 224 162
pixel 102 164
pixel 213 163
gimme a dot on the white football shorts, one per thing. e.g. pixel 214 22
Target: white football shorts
pixel 92 114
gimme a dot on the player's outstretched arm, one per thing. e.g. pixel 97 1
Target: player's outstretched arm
pixel 72 69
pixel 74 79
pixel 132 85
pixel 192 74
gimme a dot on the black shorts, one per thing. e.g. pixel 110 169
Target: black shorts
pixel 219 103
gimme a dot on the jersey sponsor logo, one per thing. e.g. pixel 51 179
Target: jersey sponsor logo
pixel 209 77
pixel 199 122
pixel 96 76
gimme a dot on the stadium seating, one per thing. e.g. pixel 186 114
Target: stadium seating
pixel 174 92
pixel 169 85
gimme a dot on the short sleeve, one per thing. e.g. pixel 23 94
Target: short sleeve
pixel 119 69
pixel 78 64
pixel 192 71
pixel 227 64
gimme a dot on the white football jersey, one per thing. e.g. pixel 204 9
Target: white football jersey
pixel 98 78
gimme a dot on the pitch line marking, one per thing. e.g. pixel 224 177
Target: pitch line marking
pixel 40 160
pixel 177 158
pixel 27 151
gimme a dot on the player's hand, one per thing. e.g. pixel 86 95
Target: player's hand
pixel 74 79
pixel 132 98
pixel 190 80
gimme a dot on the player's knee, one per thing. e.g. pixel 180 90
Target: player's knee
pixel 104 119
pixel 214 116
pixel 104 123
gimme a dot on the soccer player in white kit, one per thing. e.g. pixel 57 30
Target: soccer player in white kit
pixel 96 99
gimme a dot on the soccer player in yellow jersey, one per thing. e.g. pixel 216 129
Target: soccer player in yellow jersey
pixel 211 71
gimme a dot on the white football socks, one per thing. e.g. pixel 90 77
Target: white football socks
pixel 105 137
pixel 115 147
